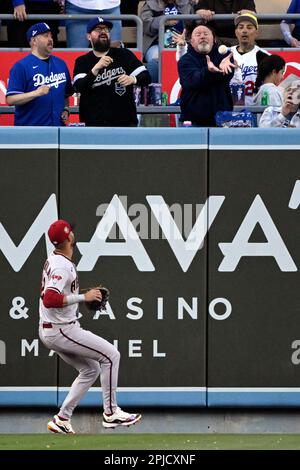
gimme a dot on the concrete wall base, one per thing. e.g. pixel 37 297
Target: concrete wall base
pixel 88 421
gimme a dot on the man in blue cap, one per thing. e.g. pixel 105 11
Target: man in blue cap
pixel 104 77
pixel 39 84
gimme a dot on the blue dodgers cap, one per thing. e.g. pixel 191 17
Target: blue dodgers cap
pixel 95 22
pixel 38 28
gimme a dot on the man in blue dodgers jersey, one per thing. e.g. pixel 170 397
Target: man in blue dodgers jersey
pixel 39 84
pixel 104 77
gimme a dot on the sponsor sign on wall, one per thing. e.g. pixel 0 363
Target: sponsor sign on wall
pixel 28 193
pixel 198 244
pixel 140 222
pixel 254 267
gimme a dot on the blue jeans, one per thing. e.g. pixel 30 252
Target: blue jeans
pixel 151 58
pixel 76 30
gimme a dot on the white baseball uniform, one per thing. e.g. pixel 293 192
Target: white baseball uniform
pixel 248 69
pixel 60 331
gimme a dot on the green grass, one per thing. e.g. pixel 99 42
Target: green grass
pixel 149 442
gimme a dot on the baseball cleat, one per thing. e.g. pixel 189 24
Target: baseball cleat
pixel 59 426
pixel 120 418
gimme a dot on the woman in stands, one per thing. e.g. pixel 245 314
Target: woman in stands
pixel 269 75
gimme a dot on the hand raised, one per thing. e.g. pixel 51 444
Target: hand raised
pixel 102 63
pixel 211 66
pixel 226 66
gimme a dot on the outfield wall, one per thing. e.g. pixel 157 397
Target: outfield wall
pixel 209 318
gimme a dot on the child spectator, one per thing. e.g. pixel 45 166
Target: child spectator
pixel 269 75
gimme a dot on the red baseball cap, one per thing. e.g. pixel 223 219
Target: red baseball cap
pixel 59 231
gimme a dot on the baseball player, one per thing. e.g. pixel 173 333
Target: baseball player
pixel 60 331
pixel 104 77
pixel 39 84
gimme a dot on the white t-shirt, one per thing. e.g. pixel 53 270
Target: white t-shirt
pixel 273 117
pixel 96 4
pixel 274 92
pixel 59 275
pixel 248 68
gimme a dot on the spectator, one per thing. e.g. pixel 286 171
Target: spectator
pixel 181 40
pixel 288 115
pixel 104 77
pixel 16 30
pixel 151 13
pixel 223 29
pixel 129 8
pixel 269 74
pixel 292 39
pixel 76 36
pixel 39 84
pixel 244 54
pixel 204 76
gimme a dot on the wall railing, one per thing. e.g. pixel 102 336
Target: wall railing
pixel 136 19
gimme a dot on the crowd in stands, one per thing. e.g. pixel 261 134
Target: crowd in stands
pixel 207 72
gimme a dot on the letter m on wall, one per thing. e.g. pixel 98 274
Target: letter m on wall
pixel 17 255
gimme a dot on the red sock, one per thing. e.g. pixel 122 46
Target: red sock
pixel 62 419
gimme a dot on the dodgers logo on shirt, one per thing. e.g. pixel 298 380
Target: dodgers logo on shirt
pixel 248 70
pixel 108 76
pixel 120 89
pixel 54 79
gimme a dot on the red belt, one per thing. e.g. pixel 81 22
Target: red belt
pixel 49 325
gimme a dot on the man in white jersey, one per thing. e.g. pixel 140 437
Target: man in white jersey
pixel 60 331
pixel 246 31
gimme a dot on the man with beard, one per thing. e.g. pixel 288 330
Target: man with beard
pixel 104 77
pixel 61 332
pixel 204 76
pixel 39 84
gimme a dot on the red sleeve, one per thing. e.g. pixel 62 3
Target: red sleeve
pixel 53 299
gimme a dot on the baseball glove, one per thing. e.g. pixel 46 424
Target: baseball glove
pixel 99 304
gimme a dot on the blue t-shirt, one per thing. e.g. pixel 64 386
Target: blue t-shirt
pixel 30 73
pixel 294 8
